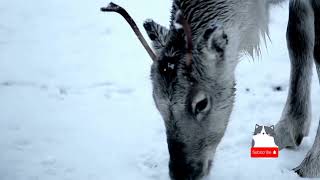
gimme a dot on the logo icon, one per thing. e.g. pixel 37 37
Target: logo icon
pixel 263 144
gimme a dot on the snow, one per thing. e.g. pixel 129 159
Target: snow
pixel 76 98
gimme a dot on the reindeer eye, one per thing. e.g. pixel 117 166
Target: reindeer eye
pixel 200 106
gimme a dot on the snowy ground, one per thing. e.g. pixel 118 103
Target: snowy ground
pixel 76 97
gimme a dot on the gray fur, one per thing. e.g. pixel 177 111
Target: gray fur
pixel 295 120
pixel 157 33
pixel 196 101
pixel 310 166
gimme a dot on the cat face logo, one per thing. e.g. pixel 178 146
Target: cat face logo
pixel 263 136
pixel 263 144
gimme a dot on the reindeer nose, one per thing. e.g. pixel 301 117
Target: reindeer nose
pixel 185 171
pixel 180 167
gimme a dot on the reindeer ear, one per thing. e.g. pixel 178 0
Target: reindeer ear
pixel 158 34
pixel 214 38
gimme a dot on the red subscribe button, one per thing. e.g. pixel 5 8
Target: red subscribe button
pixel 270 152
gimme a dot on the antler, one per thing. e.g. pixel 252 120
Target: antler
pixel 187 30
pixel 118 9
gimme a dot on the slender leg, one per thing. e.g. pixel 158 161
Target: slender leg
pixel 310 166
pixel 295 121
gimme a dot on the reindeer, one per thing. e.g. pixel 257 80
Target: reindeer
pixel 193 77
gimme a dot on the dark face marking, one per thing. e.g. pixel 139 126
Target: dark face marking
pixel 270 130
pixel 167 67
pixel 257 129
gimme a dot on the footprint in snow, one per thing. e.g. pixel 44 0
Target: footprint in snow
pixel 102 84
pixel 28 84
pixel 63 91
pixel 49 161
pixel 154 165
pixel 111 89
pixel 22 144
pixel 50 165
pixel 14 127
pixel 277 88
pixel 125 91
pixel 33 178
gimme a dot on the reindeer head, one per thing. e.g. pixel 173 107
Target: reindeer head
pixel 193 89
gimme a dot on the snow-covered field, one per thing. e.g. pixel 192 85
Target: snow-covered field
pixel 75 97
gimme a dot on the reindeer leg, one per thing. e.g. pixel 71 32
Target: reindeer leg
pixel 310 166
pixel 295 121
